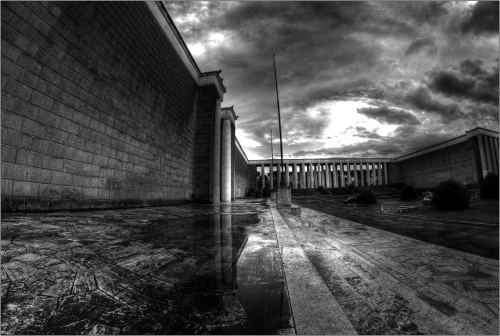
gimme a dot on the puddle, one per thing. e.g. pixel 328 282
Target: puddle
pixel 218 290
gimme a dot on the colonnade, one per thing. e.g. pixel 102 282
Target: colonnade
pixel 488 152
pixel 326 174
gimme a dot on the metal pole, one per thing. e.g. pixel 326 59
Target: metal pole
pixel 271 175
pixel 282 182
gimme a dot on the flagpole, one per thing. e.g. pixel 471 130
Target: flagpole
pixel 272 156
pixel 282 182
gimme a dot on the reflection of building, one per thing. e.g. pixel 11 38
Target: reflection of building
pixel 467 158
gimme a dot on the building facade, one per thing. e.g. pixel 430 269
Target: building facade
pixel 103 106
pixel 467 158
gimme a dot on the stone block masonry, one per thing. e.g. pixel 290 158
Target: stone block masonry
pixel 98 108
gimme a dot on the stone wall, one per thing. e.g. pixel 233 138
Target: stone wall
pixel 429 169
pixel 240 186
pixel 98 110
pixel 252 176
pixel 203 150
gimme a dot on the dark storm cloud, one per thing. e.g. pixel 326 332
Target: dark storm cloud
pixel 471 81
pixel 421 99
pixel 482 19
pixel 388 115
pixel 374 53
pixel 422 44
pixel 364 133
pixel 370 148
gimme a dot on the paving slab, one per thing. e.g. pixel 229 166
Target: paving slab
pixel 239 268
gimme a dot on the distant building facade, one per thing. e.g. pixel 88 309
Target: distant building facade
pixel 467 158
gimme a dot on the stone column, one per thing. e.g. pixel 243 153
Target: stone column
pixel 362 174
pixel 262 176
pixel 495 145
pixel 302 176
pixel 310 176
pixel 328 176
pixel 484 167
pixel 494 162
pixel 385 174
pixel 488 154
pixel 355 173
pixel 320 174
pixel 271 177
pixel 342 175
pixel 216 163
pixel 381 182
pixel 295 176
pixel 349 177
pixel 335 177
pixel 226 161
pixel 278 177
pixel 287 175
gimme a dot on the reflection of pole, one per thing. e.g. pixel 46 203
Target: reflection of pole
pixel 271 175
pixel 282 182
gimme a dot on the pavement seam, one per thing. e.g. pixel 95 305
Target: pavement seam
pixel 315 309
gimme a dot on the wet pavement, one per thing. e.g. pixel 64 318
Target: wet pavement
pixel 240 268
pixel 475 238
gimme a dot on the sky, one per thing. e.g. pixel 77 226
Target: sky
pixel 355 79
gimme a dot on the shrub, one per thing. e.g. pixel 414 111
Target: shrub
pixel 489 186
pixel 408 192
pixel 350 186
pixel 451 194
pixel 266 193
pixel 320 188
pixel 366 196
pixel 258 194
pixel 325 192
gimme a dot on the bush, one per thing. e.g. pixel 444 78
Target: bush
pixel 320 188
pixel 408 192
pixel 266 193
pixel 366 196
pixel 350 186
pixel 451 194
pixel 325 192
pixel 258 194
pixel 489 186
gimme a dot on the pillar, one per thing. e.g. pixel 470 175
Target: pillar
pixel 488 154
pixel 262 176
pixel 294 176
pixel 342 175
pixel 278 176
pixel 287 175
pixel 355 174
pixel 494 162
pixel 226 161
pixel 349 177
pixel 380 181
pixel 482 154
pixel 310 175
pixel 302 177
pixel 320 174
pixel 495 145
pixel 385 174
pixel 361 174
pixel 271 177
pixel 335 176
pixel 216 163
pixel 328 176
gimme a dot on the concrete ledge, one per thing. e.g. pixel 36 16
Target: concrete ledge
pixel 293 210
pixel 32 204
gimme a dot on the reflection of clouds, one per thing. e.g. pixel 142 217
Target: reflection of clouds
pixel 334 54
